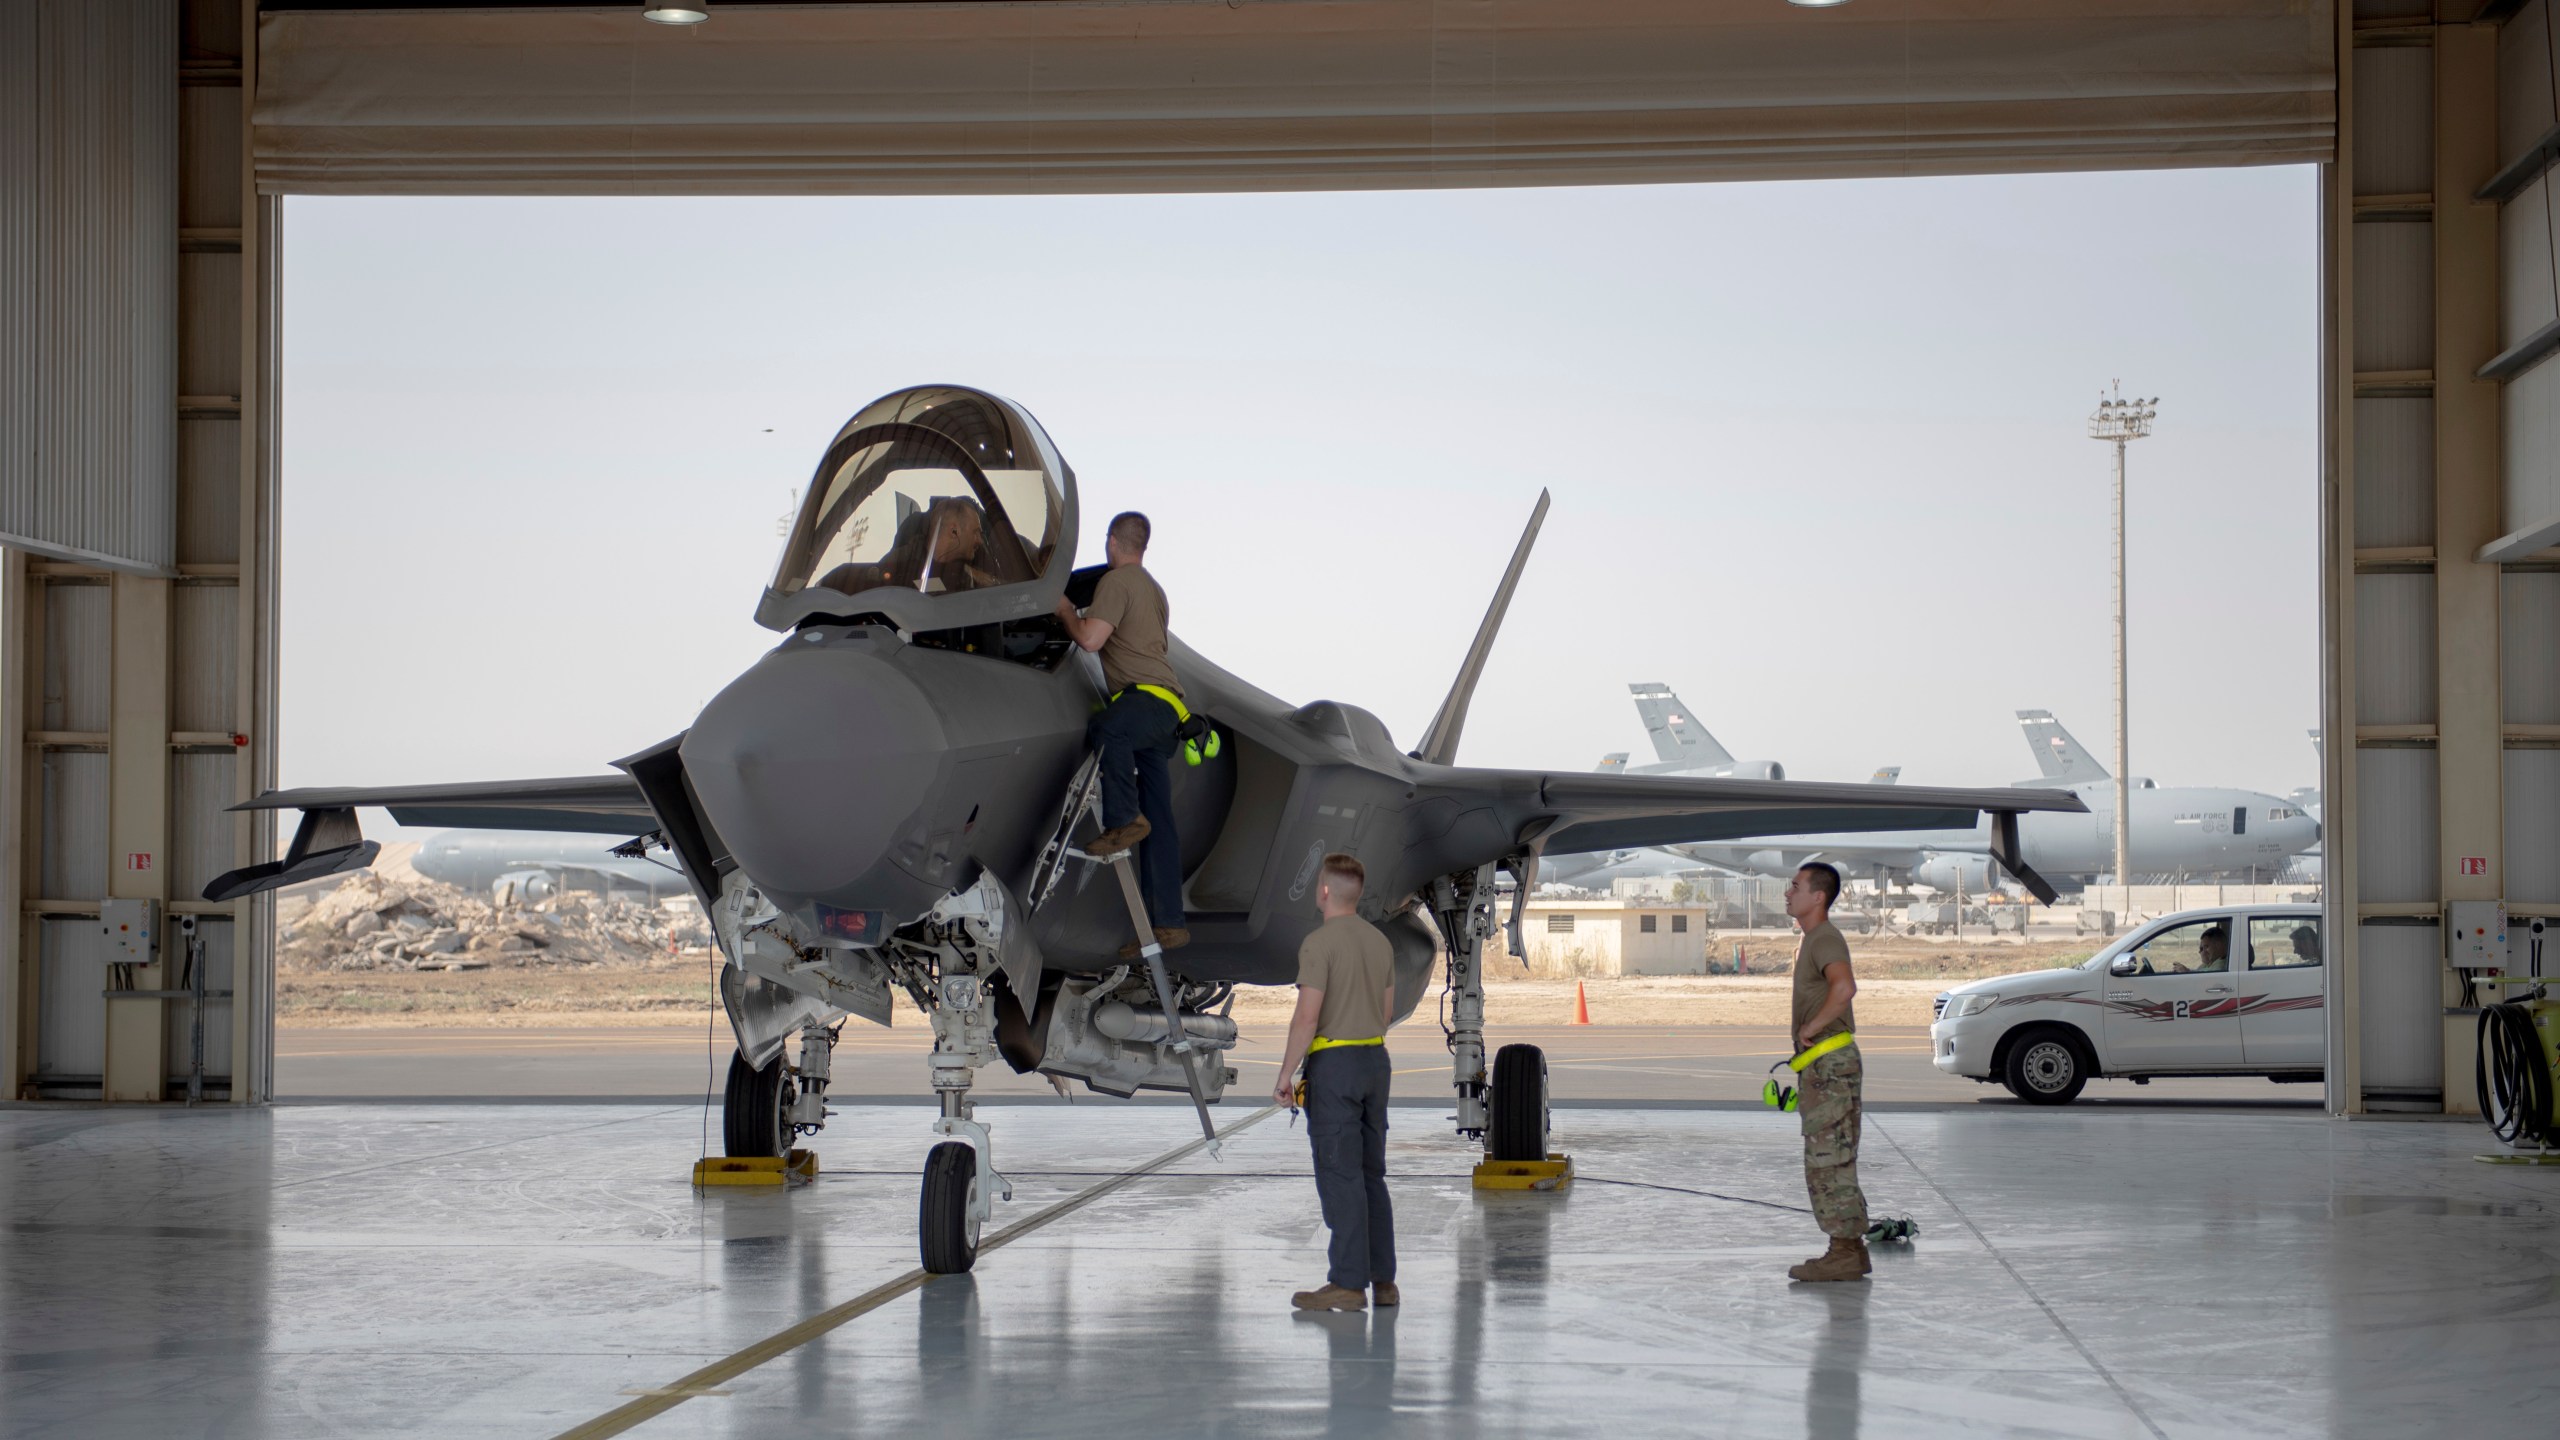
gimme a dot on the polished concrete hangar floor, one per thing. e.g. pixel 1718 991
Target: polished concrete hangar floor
pixel 524 1270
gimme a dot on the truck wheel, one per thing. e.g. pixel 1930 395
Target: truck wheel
pixel 2045 1067
pixel 753 1109
pixel 946 1225
pixel 1518 1104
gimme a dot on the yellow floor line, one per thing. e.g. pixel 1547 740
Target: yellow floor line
pixel 661 1399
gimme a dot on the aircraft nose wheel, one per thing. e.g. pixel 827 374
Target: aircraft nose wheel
pixel 1516 1119
pixel 947 1221
pixel 755 1111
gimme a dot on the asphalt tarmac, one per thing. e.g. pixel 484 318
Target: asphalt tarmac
pixel 1587 1064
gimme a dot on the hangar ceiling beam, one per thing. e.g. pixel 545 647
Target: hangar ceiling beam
pixel 1076 97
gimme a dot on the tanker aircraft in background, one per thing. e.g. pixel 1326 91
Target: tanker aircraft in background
pixel 890 802
pixel 2184 830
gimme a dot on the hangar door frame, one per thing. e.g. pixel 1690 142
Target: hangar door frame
pixel 1419 93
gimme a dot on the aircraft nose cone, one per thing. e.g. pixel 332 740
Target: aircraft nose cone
pixel 811 763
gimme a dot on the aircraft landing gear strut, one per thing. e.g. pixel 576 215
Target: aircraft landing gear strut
pixel 961 1183
pixel 1463 906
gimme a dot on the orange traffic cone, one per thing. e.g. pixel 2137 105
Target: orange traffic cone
pixel 1581 1005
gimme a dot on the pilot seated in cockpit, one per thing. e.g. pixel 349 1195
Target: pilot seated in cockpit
pixel 936 550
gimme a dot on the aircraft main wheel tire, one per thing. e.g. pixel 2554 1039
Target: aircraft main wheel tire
pixel 2046 1067
pixel 752 1110
pixel 1516 1119
pixel 946 1233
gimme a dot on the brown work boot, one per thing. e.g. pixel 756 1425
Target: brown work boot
pixel 1166 939
pixel 1386 1293
pixel 1845 1260
pixel 1330 1297
pixel 1118 838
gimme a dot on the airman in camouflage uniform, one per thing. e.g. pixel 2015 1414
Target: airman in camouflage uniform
pixel 1827 1089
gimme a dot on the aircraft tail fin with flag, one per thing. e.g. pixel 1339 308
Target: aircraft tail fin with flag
pixel 1613 763
pixel 1885 775
pixel 1678 738
pixel 1440 742
pixel 2057 754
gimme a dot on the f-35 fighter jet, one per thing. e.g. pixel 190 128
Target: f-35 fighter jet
pixel 891 802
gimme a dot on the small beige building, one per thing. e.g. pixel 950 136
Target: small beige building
pixel 1614 936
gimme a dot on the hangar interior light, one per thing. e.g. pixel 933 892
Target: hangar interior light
pixel 1817 4
pixel 690 14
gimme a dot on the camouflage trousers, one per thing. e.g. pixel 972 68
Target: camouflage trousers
pixel 1827 1102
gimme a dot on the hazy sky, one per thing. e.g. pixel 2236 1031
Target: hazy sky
pixel 1818 453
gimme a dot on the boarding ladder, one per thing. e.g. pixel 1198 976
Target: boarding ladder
pixel 1082 794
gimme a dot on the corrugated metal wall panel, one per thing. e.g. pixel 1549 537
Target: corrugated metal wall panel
pixel 79 659
pixel 209 491
pixel 2396 848
pixel 209 325
pixel 2394 123
pixel 209 158
pixel 2524 79
pixel 2529 636
pixel 2533 828
pixel 2395 652
pixel 2395 296
pixel 74 821
pixel 216 933
pixel 204 655
pixel 201 787
pixel 2530 416
pixel 71 1012
pixel 2395 472
pixel 2400 1005
pixel 88 278
pixel 2529 269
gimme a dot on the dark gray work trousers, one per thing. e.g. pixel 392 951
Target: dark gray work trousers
pixel 1347 1125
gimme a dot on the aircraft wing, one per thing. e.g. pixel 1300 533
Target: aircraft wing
pixel 329 842
pixel 591 804
pixel 1573 811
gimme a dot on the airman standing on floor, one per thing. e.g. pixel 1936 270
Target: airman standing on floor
pixel 1828 1100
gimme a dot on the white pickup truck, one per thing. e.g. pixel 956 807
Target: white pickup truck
pixel 2231 990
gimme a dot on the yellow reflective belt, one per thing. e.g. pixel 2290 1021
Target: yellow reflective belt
pixel 1822 1047
pixel 1321 1043
pixel 1180 710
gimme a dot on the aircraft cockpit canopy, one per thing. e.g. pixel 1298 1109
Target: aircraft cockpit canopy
pixel 935 508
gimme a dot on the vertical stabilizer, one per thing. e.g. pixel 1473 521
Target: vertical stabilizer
pixel 2057 754
pixel 2318 752
pixel 1613 763
pixel 1440 742
pixel 1678 738
pixel 1886 775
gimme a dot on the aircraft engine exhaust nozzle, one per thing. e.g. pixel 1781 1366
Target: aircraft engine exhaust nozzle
pixel 813 763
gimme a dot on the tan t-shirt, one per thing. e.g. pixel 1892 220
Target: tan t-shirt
pixel 1350 961
pixel 1820 946
pixel 1129 600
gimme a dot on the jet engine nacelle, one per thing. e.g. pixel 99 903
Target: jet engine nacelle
pixel 1971 873
pixel 522 887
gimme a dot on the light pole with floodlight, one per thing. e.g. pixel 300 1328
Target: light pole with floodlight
pixel 2122 421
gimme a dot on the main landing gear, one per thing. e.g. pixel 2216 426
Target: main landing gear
pixel 1507 1110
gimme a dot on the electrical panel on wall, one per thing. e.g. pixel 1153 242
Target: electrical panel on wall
pixel 2475 934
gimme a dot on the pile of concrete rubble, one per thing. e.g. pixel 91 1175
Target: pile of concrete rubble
pixel 372 922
